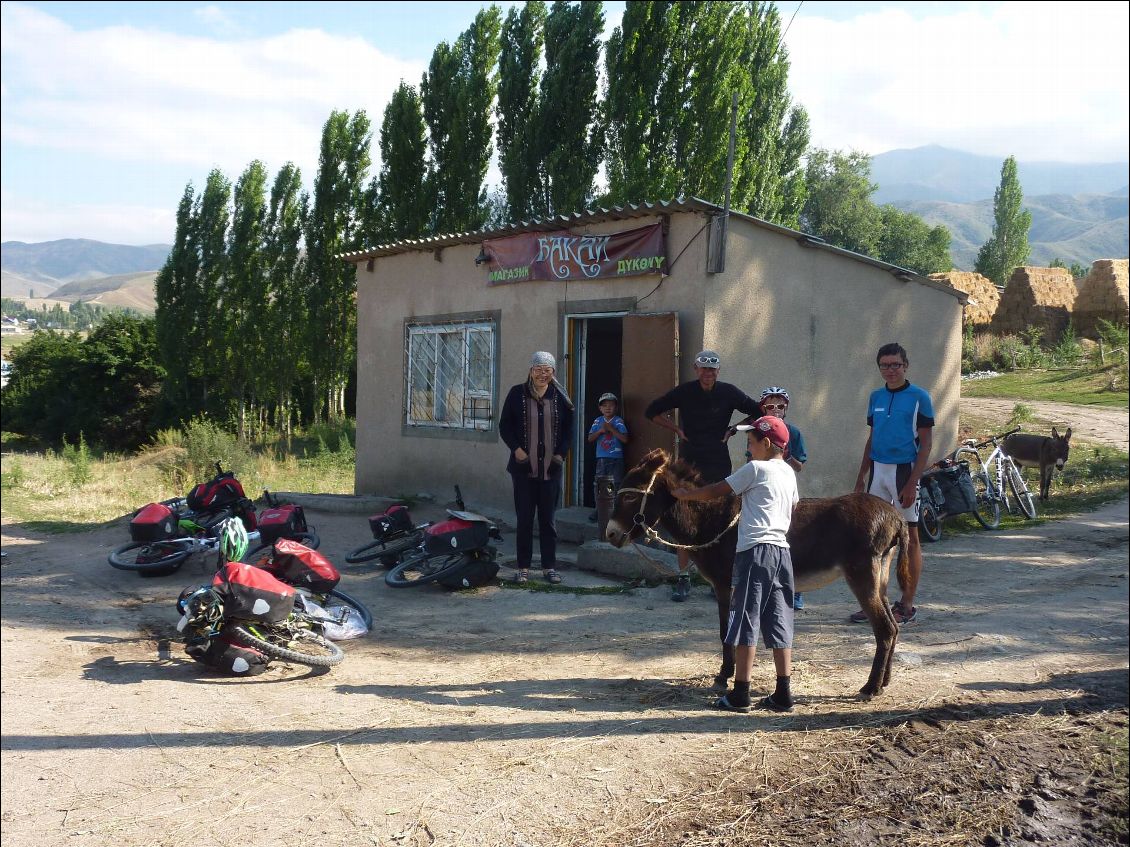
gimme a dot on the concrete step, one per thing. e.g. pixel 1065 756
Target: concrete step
pixel 574 526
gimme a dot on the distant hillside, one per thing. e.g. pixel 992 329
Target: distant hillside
pixel 69 259
pixel 133 291
pixel 938 173
pixel 16 285
pixel 1080 228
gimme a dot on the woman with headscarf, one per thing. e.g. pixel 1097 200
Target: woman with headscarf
pixel 537 425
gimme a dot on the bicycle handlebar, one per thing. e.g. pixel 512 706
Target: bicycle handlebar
pixel 992 439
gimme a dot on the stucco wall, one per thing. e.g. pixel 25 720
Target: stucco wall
pixel 414 284
pixel 812 321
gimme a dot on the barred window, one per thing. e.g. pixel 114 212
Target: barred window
pixel 451 375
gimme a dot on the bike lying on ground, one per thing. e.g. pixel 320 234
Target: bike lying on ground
pixel 456 553
pixel 393 534
pixel 287 606
pixel 165 534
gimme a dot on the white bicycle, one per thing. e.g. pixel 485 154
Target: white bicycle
pixel 996 479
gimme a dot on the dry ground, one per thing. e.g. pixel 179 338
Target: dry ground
pixel 518 717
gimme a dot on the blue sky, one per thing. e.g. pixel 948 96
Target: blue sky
pixel 109 109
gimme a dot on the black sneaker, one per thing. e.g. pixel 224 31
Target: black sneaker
pixel 773 706
pixel 682 589
pixel 723 703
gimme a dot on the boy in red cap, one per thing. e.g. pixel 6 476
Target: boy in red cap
pixel 761 596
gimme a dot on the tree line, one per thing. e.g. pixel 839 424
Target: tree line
pixel 78 315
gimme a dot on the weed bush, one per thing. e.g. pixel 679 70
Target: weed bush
pixel 206 443
pixel 77 458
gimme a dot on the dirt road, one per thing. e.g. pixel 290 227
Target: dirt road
pixel 1095 424
pixel 514 717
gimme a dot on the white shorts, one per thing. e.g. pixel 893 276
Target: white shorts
pixel 887 481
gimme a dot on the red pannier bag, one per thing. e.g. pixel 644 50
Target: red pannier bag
pixel 280 521
pixel 394 519
pixel 251 594
pixel 218 493
pixel 298 565
pixel 226 653
pixel 456 534
pixel 154 522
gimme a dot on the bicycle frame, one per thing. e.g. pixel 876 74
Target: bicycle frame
pixel 999 467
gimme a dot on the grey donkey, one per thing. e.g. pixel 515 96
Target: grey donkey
pixel 1040 451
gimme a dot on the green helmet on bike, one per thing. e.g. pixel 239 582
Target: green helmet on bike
pixel 233 540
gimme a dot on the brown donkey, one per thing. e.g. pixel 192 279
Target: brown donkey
pixel 850 536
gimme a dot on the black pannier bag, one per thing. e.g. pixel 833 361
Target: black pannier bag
pixel 480 569
pixel 281 521
pixel 456 534
pixel 298 565
pixel 225 653
pixel 252 594
pixel 223 491
pixel 956 488
pixel 393 520
pixel 154 522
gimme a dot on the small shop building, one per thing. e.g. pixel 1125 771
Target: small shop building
pixel 625 298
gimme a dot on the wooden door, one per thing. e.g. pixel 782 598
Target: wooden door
pixel 650 368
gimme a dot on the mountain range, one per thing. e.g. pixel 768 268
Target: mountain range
pixel 1080 213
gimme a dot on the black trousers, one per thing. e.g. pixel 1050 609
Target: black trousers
pixel 539 496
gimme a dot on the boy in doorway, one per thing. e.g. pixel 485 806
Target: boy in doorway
pixel 610 434
pixel 761 596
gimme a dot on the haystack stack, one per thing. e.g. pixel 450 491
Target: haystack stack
pixel 1036 298
pixel 1102 296
pixel 983 296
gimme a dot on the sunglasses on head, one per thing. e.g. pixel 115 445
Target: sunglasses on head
pixel 707 360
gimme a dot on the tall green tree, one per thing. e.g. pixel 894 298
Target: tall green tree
pixel 402 200
pixel 284 354
pixel 910 242
pixel 568 122
pixel 519 149
pixel 838 207
pixel 334 227
pixel 1008 247
pixel 213 215
pixel 458 93
pixel 177 303
pixel 245 293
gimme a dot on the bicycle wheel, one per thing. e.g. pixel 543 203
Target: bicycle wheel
pixel 929 526
pixel 1019 489
pixel 988 509
pixel 155 558
pixel 346 600
pixel 387 551
pixel 424 568
pixel 302 646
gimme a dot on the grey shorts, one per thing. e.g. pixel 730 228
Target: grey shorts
pixel 761 599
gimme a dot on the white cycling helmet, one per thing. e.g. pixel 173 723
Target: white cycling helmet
pixel 774 391
pixel 233 540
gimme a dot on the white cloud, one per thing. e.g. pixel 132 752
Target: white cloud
pixel 1041 81
pixel 161 97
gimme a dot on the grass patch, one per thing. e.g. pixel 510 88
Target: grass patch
pixel 1085 387
pixel 547 588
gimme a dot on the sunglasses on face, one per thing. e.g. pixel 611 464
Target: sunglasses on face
pixel 774 405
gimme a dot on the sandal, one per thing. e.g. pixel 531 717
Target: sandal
pixel 523 575
pixel 552 577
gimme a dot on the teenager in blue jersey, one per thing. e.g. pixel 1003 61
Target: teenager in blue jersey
pixel 901 418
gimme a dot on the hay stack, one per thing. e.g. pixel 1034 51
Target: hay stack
pixel 1102 295
pixel 1036 297
pixel 983 296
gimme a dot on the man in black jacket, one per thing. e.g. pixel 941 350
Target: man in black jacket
pixel 705 407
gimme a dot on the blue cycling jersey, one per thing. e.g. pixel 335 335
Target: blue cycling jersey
pixel 895 418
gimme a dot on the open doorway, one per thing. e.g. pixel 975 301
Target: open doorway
pixel 596 354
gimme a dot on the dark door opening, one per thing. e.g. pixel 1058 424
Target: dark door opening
pixel 602 372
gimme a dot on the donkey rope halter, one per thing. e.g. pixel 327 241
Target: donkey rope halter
pixel 652 534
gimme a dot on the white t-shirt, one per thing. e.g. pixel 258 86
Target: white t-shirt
pixel 768 491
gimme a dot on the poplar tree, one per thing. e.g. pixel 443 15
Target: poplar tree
pixel 177 304
pixel 458 93
pixel 402 199
pixel 244 298
pixel 567 116
pixel 1008 247
pixel 207 333
pixel 519 153
pixel 285 314
pixel 334 227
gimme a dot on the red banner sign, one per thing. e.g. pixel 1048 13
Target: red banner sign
pixel 565 256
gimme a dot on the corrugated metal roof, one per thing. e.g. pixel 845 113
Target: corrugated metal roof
pixel 627 212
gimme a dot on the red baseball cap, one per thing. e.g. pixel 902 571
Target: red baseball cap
pixel 769 427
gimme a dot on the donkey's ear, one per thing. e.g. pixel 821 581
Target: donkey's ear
pixel 1067 435
pixel 1054 433
pixel 655 458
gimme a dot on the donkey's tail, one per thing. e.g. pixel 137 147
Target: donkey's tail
pixel 903 570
